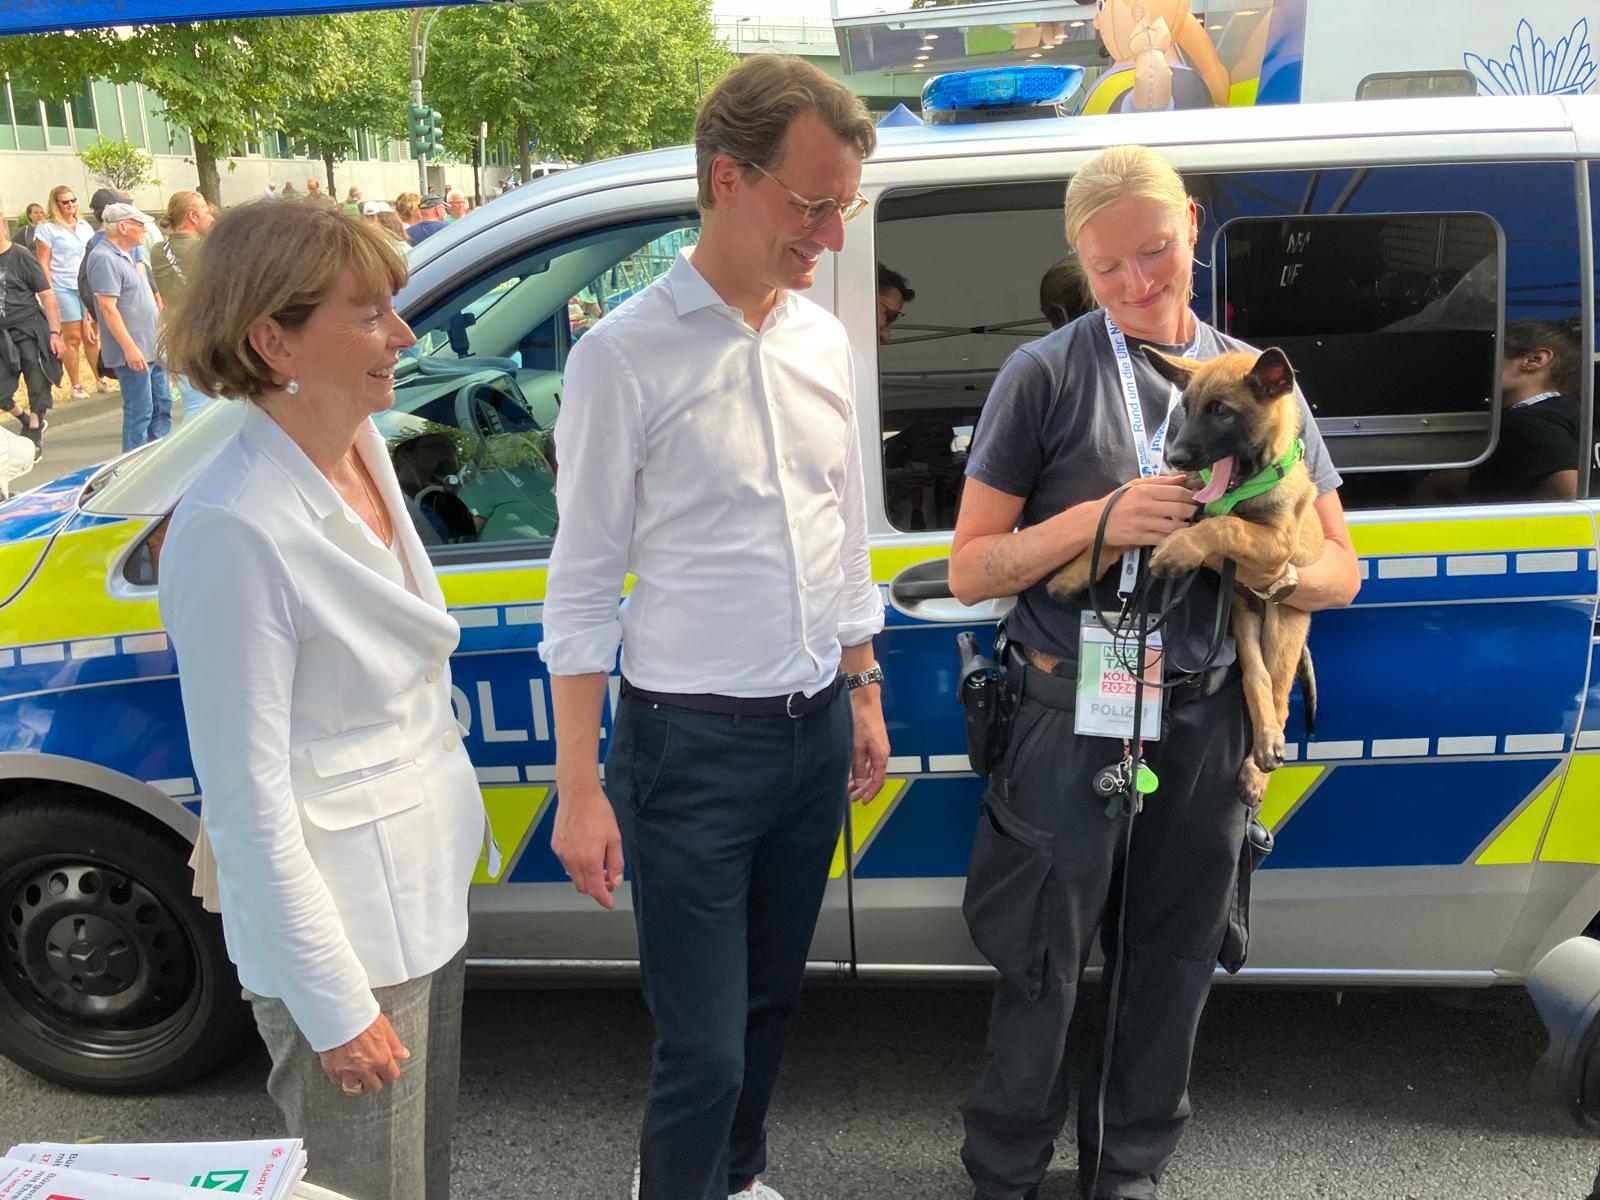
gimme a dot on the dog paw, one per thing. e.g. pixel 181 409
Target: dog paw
pixel 1067 582
pixel 1268 754
pixel 1252 785
pixel 1178 555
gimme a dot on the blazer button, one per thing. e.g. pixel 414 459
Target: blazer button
pixel 434 672
pixel 449 740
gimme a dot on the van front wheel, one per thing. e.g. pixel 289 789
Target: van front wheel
pixel 112 977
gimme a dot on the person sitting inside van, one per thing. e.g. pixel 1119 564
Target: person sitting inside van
pixel 1540 442
pixel 1064 293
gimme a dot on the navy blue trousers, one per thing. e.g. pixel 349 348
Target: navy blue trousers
pixel 729 825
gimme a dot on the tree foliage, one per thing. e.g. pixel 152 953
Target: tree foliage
pixel 121 165
pixel 586 78
pixel 365 72
pixel 217 78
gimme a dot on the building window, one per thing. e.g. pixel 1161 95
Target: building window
pixel 108 110
pixel 132 114
pixel 25 109
pixel 81 106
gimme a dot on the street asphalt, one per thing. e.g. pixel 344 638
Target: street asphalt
pixel 1376 1096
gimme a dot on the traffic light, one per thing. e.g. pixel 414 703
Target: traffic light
pixel 417 126
pixel 434 141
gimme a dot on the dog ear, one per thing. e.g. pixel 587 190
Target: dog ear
pixel 1272 375
pixel 1177 371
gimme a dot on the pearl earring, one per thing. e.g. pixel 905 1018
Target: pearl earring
pixel 292 387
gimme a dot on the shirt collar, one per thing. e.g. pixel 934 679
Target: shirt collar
pixel 266 435
pixel 691 292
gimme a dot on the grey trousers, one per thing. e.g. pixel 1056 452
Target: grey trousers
pixel 394 1145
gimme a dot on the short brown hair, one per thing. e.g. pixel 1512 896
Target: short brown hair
pixel 268 259
pixel 405 204
pixel 748 112
pixel 1564 340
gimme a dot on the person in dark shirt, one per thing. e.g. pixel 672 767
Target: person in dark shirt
pixel 30 336
pixel 1540 443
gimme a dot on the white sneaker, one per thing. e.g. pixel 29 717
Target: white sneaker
pixel 756 1191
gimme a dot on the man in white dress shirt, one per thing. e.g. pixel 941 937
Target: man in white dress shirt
pixel 709 445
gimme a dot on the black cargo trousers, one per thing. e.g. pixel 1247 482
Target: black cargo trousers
pixel 1046 873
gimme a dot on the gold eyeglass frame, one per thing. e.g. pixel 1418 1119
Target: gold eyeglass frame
pixel 848 210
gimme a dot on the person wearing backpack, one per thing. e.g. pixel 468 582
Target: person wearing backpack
pixel 30 338
pixel 188 216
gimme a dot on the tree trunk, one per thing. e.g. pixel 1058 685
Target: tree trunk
pixel 524 159
pixel 205 162
pixel 327 162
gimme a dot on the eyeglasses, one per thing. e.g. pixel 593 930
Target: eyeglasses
pixel 890 315
pixel 818 211
pixel 64 201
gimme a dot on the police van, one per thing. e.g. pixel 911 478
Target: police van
pixel 1442 827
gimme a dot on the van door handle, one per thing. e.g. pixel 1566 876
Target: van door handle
pixel 923 591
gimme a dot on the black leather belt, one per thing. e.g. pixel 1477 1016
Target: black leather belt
pixel 793 704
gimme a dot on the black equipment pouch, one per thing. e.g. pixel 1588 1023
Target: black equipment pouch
pixel 1236 940
pixel 986 702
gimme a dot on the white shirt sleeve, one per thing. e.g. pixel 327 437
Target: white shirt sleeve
pixel 229 604
pixel 860 604
pixel 599 451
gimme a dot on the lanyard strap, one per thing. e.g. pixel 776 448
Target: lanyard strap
pixel 1149 449
pixel 1532 400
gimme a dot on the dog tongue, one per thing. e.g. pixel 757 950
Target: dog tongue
pixel 1221 476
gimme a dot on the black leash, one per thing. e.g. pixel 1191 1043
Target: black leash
pixel 1173 593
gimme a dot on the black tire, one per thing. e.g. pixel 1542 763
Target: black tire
pixel 112 977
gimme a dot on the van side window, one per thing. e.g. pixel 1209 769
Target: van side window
pixel 1401 85
pixel 1390 322
pixel 972 259
pixel 471 432
pixel 1391 287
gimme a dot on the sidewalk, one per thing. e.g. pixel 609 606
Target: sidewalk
pixel 89 406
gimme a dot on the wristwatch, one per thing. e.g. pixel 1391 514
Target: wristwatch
pixel 55 333
pixel 873 674
pixel 1281 588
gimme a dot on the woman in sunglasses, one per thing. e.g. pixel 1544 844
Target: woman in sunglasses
pixel 59 243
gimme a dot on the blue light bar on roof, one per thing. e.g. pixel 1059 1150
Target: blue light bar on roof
pixel 1000 87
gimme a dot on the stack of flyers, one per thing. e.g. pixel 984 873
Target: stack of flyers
pixel 264 1170
pixel 21 1180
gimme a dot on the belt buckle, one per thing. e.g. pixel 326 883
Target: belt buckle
pixel 788 706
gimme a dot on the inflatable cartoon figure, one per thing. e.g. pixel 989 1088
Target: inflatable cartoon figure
pixel 1148 74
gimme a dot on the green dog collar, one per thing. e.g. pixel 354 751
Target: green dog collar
pixel 1261 482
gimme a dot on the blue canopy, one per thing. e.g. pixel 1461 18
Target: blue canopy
pixel 48 16
pixel 900 116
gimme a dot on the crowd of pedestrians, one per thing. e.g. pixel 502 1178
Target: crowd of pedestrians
pixel 87 313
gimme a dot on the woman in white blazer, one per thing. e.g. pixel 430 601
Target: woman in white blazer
pixel 313 643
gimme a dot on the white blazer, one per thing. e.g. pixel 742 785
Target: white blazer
pixel 343 812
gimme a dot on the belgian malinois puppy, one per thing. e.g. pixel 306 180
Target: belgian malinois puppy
pixel 1240 417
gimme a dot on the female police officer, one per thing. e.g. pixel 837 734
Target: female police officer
pixel 1057 435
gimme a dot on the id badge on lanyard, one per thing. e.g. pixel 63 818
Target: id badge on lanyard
pixel 1106 685
pixel 1148 449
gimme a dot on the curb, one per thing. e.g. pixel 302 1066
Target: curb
pixel 82 410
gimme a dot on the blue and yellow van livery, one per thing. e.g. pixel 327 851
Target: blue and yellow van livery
pixel 1441 828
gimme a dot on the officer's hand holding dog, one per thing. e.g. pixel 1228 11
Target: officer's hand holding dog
pixel 1149 511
